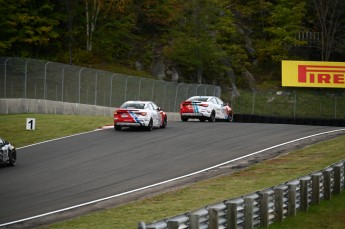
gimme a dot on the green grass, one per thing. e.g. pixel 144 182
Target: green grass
pixel 13 127
pixel 330 214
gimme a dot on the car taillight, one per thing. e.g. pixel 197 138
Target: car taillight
pixel 203 105
pixel 117 113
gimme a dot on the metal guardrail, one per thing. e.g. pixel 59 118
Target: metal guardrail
pixel 39 79
pixel 261 208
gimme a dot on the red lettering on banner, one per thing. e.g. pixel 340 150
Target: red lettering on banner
pixel 321 74
pixel 324 78
pixel 302 73
pixel 339 78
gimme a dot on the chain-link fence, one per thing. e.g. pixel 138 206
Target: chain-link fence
pixel 39 79
pixel 302 102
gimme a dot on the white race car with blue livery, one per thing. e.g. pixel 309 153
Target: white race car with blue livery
pixel 204 108
pixel 144 114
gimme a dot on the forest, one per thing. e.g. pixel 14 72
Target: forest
pixel 233 43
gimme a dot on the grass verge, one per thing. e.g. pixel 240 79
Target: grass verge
pixel 330 214
pixel 13 127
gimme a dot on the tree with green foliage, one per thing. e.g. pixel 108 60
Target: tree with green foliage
pixel 193 42
pixel 284 21
pixel 114 39
pixel 154 21
pixel 207 41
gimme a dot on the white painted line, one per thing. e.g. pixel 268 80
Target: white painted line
pixel 73 135
pixel 163 182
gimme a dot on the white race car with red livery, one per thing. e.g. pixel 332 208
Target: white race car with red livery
pixel 145 114
pixel 204 108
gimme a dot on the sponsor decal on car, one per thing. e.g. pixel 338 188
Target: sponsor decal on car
pixel 195 107
pixel 132 114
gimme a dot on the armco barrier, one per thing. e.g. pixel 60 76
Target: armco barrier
pixel 261 208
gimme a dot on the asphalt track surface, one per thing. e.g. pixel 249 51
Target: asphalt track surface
pixel 71 171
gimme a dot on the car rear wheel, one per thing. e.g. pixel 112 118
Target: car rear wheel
pixel 184 119
pixel 13 158
pixel 212 117
pixel 230 117
pixel 150 126
pixel 117 127
pixel 165 122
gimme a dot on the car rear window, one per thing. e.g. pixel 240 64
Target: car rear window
pixel 201 99
pixel 133 105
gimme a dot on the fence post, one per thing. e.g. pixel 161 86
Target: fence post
pixel 343 174
pixel 141 225
pixel 176 95
pixel 253 105
pixel 335 106
pixel 304 193
pixel 264 209
pixel 111 89
pixel 194 221
pixel 279 203
pixel 26 78
pixel 315 198
pixel 79 86
pixel 62 82
pixel 337 178
pixel 96 81
pixel 173 225
pixel 139 88
pixel 248 213
pixel 126 87
pixel 327 183
pixel 231 216
pixel 5 76
pixel 213 218
pixel 153 90
pixel 45 81
pixel 292 198
pixel 294 105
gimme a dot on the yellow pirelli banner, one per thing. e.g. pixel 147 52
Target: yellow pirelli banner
pixel 313 74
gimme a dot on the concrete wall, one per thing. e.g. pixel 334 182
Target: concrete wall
pixel 39 106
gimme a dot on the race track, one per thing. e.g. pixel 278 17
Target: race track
pixel 71 171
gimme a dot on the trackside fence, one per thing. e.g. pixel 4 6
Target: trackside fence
pixel 261 208
pixel 291 102
pixel 45 80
